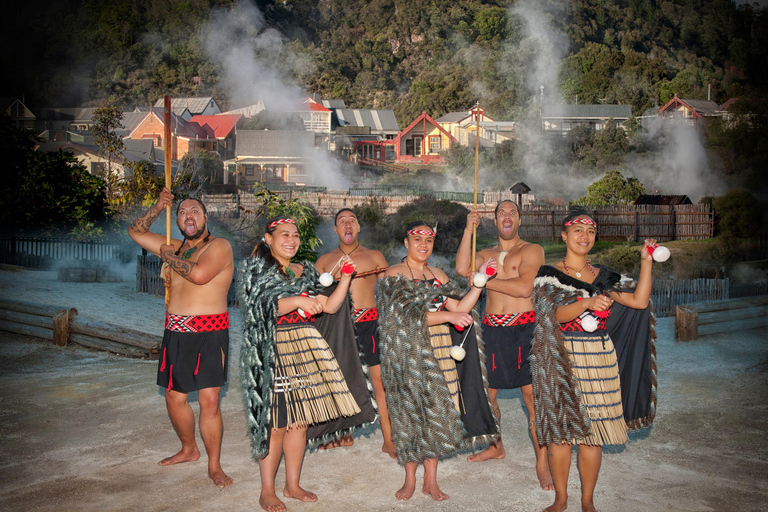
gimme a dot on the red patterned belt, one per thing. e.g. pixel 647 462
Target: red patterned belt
pixel 196 323
pixel 526 317
pixel 575 325
pixel 295 318
pixel 365 315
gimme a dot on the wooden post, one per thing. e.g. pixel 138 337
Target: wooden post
pixel 686 324
pixel 61 328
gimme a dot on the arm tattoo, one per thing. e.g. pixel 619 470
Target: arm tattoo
pixel 179 265
pixel 142 224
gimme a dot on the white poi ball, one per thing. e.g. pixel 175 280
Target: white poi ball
pixel 326 279
pixel 660 253
pixel 589 323
pixel 479 280
pixel 458 353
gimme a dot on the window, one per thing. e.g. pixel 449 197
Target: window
pixel 249 170
pixel 434 143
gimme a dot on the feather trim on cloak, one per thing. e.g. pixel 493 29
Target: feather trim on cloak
pixel 260 286
pixel 560 415
pixel 425 422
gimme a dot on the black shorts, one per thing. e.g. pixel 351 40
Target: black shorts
pixel 367 334
pixel 190 361
pixel 507 349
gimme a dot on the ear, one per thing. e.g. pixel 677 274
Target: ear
pixel 564 234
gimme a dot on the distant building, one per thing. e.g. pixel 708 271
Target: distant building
pixel 423 141
pixel 563 118
pixel 185 108
pixel 19 114
pixel 271 156
pixel 660 199
pixel 64 119
pixel 223 129
pixel 462 126
pixel 695 113
pixel 184 135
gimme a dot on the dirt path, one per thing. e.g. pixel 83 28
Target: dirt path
pixel 83 430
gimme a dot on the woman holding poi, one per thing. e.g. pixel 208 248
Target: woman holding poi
pixel 437 406
pixel 578 397
pixel 290 377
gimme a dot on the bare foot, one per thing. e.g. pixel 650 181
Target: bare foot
pixel 407 490
pixel 557 506
pixel 389 447
pixel 220 479
pixel 346 441
pixel 180 457
pixel 434 491
pixel 545 478
pixel 588 507
pixel 299 494
pixel 272 503
pixel 329 446
pixel 494 451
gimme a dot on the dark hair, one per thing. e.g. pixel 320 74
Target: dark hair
pixel 576 211
pixel 498 205
pixel 178 206
pixel 262 250
pixel 415 224
pixel 336 218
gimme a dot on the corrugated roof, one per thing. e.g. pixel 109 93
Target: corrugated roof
pixel 274 143
pixel 194 105
pixel 703 107
pixel 453 117
pixel 377 120
pixel 586 111
pixel 334 104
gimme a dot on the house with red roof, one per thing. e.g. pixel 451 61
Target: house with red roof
pixel 223 129
pixel 316 119
pixel 695 113
pixel 423 141
pixel 185 135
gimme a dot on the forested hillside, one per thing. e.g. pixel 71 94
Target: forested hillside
pixel 411 56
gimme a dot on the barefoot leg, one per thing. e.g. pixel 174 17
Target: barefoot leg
pixel 183 420
pixel 211 429
pixel 267 469
pixel 590 459
pixel 430 481
pixel 560 466
pixel 542 462
pixel 495 450
pixel 381 401
pixel 409 486
pixel 293 446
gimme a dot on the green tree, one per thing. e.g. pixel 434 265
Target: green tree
pixel 206 166
pixel 612 189
pixel 106 120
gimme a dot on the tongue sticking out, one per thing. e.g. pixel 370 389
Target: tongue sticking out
pixel 506 228
pixel 347 238
pixel 190 229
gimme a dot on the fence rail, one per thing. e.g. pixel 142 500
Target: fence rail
pixel 539 222
pixel 666 295
pixel 38 252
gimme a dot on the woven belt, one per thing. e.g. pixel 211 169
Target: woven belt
pixel 197 323
pixel 295 318
pixel 365 315
pixel 526 317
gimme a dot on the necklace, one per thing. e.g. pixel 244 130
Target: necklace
pixel 189 252
pixel 350 252
pixel 424 275
pixel 289 272
pixel 578 272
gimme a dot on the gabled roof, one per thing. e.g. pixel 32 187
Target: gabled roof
pixel 75 114
pixel 195 105
pixel 217 126
pixel 728 104
pixel 179 127
pixel 131 120
pixel 310 105
pixel 379 120
pixel 457 117
pixel 333 104
pixel 426 117
pixel 274 143
pixel 586 111
pixel 698 108
pixel 15 108
pixel 660 199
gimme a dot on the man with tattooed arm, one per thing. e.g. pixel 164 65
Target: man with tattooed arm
pixel 194 352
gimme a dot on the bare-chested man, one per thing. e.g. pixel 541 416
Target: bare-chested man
pixel 509 319
pixel 194 353
pixel 365 315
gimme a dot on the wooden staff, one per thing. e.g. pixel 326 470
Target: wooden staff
pixel 168 149
pixel 477 152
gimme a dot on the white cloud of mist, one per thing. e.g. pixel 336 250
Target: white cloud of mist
pixel 678 162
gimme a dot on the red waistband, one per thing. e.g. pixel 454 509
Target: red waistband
pixel 526 317
pixel 365 315
pixel 197 323
pixel 575 325
pixel 294 317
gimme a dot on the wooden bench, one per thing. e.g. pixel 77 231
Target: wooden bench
pixel 719 316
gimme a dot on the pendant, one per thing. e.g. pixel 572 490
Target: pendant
pixel 189 252
pixel 578 274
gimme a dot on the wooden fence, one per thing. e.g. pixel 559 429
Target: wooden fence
pixel 38 252
pixel 666 295
pixel 539 222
